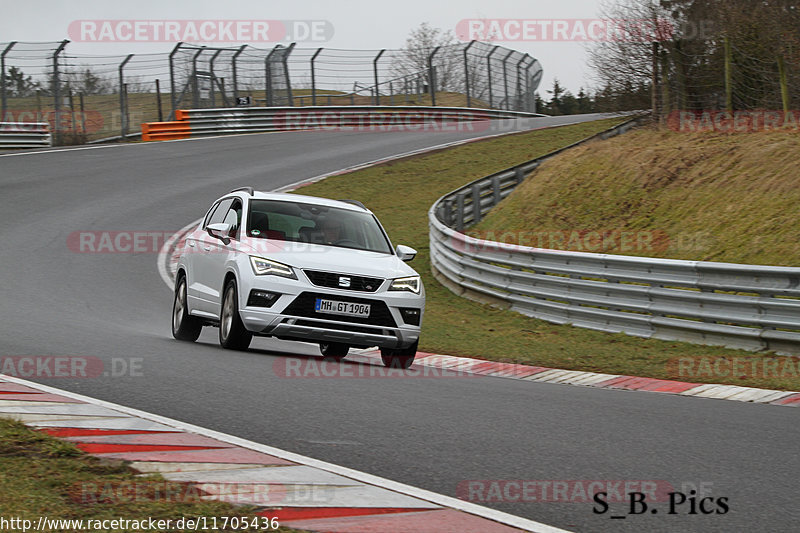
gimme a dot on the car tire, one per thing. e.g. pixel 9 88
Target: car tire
pixel 399 357
pixel 185 327
pixel 333 351
pixel 232 333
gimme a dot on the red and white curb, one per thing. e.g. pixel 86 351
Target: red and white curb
pixel 466 365
pixel 298 491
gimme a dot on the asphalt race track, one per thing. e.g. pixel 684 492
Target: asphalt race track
pixel 431 433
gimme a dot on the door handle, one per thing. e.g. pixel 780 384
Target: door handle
pixel 191 244
pixel 207 248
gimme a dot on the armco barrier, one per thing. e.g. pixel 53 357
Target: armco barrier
pixel 751 307
pixel 200 122
pixel 24 135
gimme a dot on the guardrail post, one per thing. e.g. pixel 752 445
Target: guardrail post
pixel 466 72
pixel 447 212
pixel 432 76
pixel 57 92
pixel 173 103
pixel 3 101
pixel 460 212
pixel 519 174
pixel 476 204
pixel 375 72
pixel 123 104
pixel 496 190
pixel 489 74
pixel 234 72
pixel 313 77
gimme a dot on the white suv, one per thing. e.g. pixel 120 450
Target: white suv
pixel 300 268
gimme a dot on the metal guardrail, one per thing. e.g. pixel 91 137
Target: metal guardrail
pixel 752 307
pixel 200 122
pixel 24 135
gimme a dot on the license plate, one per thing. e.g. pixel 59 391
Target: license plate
pixel 342 308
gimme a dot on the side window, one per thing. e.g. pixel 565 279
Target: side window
pixel 210 213
pixel 234 217
pixel 220 212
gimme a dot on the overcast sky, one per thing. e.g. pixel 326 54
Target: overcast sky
pixel 355 24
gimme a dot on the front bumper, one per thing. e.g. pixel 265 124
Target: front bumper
pixel 292 315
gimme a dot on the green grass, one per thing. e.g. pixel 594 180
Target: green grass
pixel 401 192
pixel 43 476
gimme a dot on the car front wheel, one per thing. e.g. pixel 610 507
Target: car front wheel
pixel 333 351
pixel 185 327
pixel 232 333
pixel 399 357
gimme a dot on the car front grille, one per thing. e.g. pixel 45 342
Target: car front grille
pixel 303 306
pixel 333 280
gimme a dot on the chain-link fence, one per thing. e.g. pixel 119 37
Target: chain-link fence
pixel 87 98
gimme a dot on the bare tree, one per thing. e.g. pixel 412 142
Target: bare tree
pixel 420 43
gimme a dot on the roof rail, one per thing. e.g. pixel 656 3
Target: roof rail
pixel 248 190
pixel 355 202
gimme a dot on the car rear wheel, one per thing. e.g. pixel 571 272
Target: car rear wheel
pixel 333 351
pixel 232 333
pixel 185 327
pixel 399 357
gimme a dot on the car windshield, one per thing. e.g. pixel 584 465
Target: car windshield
pixel 316 224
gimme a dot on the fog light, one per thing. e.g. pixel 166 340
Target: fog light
pixel 410 315
pixel 259 298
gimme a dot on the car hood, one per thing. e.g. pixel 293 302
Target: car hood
pixel 329 258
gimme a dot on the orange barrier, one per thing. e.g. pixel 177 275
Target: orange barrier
pixel 164 131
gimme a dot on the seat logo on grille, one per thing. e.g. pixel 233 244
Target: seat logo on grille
pixel 344 281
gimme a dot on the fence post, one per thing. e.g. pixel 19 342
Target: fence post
pixel 213 79
pixel 235 73
pixel 286 73
pixel 519 81
pixel 432 76
pixel 123 98
pixel 57 93
pixel 375 72
pixel 268 77
pixel 728 74
pixel 466 71
pixel 158 101
pixel 195 92
pixel 3 96
pixel 173 103
pixel 83 115
pixel 489 74
pixel 314 77
pixel 505 75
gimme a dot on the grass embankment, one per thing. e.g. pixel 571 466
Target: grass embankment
pixel 710 197
pixel 401 193
pixel 43 476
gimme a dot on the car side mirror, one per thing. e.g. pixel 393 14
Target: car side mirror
pixel 405 253
pixel 220 230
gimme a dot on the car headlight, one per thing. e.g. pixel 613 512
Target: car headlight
pixel 267 267
pixel 410 283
